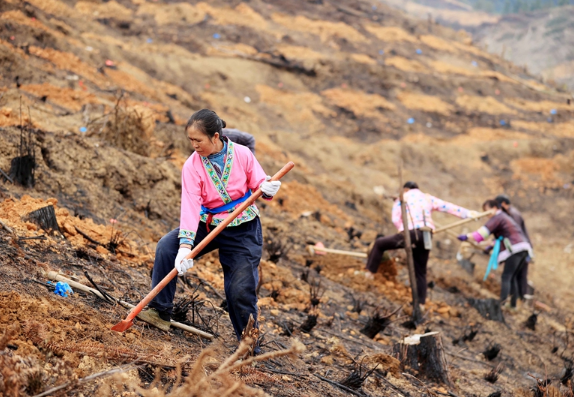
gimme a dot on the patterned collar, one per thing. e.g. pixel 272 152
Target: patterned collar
pixel 220 184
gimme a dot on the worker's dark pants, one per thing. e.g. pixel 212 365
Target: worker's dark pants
pixel 514 271
pixel 523 278
pixel 240 249
pixel 420 257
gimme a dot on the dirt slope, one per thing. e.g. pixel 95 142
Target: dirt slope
pixel 105 88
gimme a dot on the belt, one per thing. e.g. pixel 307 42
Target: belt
pixel 224 208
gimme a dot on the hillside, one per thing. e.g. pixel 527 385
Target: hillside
pixel 99 91
pixel 547 33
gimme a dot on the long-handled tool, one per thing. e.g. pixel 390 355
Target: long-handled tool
pixel 79 286
pixel 128 322
pixel 463 221
pixel 454 235
pixel 321 250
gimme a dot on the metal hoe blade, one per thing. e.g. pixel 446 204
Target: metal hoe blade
pixel 122 325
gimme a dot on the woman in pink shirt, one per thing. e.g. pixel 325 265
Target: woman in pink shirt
pixel 217 177
pixel 419 207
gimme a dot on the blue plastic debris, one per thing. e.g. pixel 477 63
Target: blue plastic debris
pixel 381 52
pixel 411 121
pixel 419 51
pixel 63 289
pixel 216 36
pixel 83 129
pixel 474 63
pixel 149 41
pixel 553 111
pixel 502 123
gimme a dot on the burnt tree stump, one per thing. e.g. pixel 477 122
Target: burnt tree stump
pixel 424 354
pixel 488 308
pixel 45 218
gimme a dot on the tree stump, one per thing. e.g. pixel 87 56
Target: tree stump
pixel 424 354
pixel 488 308
pixel 45 218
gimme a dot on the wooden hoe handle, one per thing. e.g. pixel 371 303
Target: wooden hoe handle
pixel 462 222
pixel 199 247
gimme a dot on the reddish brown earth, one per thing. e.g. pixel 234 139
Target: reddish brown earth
pixel 322 95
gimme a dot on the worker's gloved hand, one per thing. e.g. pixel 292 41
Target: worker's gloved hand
pixel 462 237
pixel 473 214
pixel 182 264
pixel 269 187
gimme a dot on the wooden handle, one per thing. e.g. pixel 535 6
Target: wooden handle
pixel 462 222
pixel 203 243
pixel 454 235
pixel 52 275
pixel 340 252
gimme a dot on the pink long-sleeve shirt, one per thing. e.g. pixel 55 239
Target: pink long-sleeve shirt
pixel 200 185
pixel 420 207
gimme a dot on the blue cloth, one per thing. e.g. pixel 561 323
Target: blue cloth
pixel 225 207
pixel 63 289
pixel 240 249
pixel 493 262
pixel 218 159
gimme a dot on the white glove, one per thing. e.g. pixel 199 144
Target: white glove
pixel 473 214
pixel 270 188
pixel 182 264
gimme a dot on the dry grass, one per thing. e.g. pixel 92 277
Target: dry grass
pixel 491 74
pixel 538 106
pixel 565 130
pixel 406 65
pixel 447 68
pixel 425 103
pixel 439 44
pixel 70 62
pixel 175 13
pixel 104 10
pixel 486 104
pixel 363 58
pixel 301 106
pixel 242 15
pixel 358 102
pixel 324 29
pixel 126 127
pixel 66 97
pixel 479 135
pixel 390 33
pixel 220 383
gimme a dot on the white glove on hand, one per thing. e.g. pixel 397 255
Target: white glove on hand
pixel 270 188
pixel 182 264
pixel 473 214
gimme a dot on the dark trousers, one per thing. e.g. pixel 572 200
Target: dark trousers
pixel 515 268
pixel 240 249
pixel 420 257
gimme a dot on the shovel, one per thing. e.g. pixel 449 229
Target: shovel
pixel 128 322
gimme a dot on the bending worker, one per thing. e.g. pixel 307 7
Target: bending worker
pixel 513 249
pixel 505 205
pixel 215 179
pixel 419 209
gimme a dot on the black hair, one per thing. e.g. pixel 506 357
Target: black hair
pixel 207 121
pixel 503 198
pixel 411 185
pixel 491 204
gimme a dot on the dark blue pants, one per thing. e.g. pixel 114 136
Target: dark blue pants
pixel 240 249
